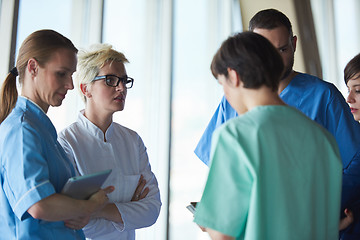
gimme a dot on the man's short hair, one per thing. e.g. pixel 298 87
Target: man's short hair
pixel 253 57
pixel 270 19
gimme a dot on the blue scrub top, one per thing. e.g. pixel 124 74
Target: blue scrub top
pixel 33 167
pixel 322 102
pixel 319 100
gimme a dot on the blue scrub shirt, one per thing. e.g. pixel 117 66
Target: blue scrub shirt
pixel 33 167
pixel 322 102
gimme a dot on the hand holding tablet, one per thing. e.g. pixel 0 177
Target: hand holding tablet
pixel 82 187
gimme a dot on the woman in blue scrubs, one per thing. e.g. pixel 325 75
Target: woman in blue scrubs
pixel 34 167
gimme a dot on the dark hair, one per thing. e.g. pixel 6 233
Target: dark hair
pixel 270 19
pixel 40 45
pixel 253 57
pixel 352 69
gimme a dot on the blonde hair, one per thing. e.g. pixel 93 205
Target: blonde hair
pixel 91 60
pixel 39 45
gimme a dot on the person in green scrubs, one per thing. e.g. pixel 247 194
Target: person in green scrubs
pixel 274 173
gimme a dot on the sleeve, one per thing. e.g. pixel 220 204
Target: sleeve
pixel 143 213
pixel 98 227
pixel 350 197
pixel 340 122
pixel 68 151
pixel 229 178
pixel 26 173
pixel 223 113
pixel 346 130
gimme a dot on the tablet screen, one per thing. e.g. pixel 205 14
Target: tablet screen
pixel 82 187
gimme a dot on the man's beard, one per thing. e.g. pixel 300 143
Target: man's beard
pixel 288 69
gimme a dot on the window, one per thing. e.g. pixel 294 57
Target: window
pixel 199 29
pixel 170 45
pixel 338 36
pixel 39 14
pixel 143 31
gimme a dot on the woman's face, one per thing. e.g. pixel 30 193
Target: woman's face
pixel 354 96
pixel 107 99
pixel 53 80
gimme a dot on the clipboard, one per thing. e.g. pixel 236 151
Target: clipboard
pixel 82 187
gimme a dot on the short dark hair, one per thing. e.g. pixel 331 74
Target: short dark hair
pixel 270 19
pixel 352 69
pixel 253 57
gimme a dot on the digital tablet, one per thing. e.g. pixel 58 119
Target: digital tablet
pixel 192 207
pixel 82 187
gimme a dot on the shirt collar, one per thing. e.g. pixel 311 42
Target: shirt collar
pixel 33 103
pixel 34 111
pixel 92 128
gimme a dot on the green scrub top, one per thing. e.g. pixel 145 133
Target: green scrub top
pixel 275 174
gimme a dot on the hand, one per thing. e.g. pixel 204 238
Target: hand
pixel 215 235
pixel 347 220
pixel 101 198
pixel 202 228
pixel 140 192
pixel 77 223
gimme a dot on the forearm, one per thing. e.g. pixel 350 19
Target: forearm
pixel 145 211
pixel 110 212
pixel 215 235
pixel 58 207
pixel 139 214
pixel 350 189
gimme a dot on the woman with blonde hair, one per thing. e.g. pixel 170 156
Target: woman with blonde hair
pixel 34 167
pixel 94 142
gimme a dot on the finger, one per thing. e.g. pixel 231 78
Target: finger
pixel 140 179
pixel 144 193
pixel 69 225
pixel 72 226
pixel 73 222
pixel 348 215
pixel 141 186
pixel 135 197
pixel 108 189
pixel 348 212
pixel 347 220
pixel 202 228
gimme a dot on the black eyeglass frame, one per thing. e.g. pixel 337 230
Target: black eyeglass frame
pixel 125 80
